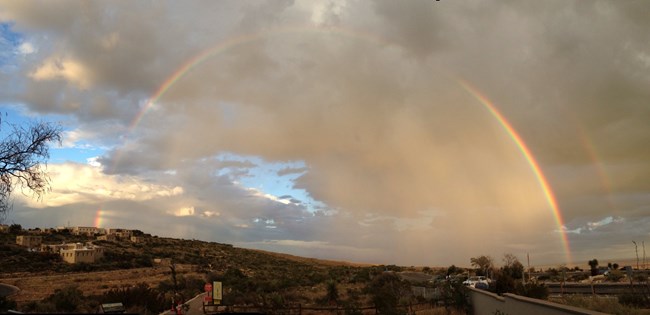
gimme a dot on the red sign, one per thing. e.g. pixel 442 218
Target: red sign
pixel 207 287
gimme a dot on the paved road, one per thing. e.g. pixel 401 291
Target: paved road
pixel 7 290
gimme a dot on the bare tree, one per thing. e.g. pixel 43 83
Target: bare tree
pixel 23 158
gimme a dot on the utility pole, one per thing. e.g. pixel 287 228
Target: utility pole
pixel 643 243
pixel 528 258
pixel 636 249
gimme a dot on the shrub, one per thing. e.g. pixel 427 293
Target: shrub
pixel 6 304
pixel 67 299
pixel 634 299
pixel 533 290
pixel 614 275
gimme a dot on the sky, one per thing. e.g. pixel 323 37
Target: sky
pixel 409 133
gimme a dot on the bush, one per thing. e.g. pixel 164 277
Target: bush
pixel 67 299
pixel 386 291
pixel 599 303
pixel 533 290
pixel 614 275
pixel 639 300
pixel 6 304
pixel 140 297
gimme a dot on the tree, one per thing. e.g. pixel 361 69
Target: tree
pixel 23 156
pixel 482 264
pixel 332 295
pixel 512 266
pixel 386 290
pixel 594 266
pixel 15 229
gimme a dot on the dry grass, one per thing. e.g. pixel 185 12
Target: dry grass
pixel 35 287
pixel 440 311
pixel 603 304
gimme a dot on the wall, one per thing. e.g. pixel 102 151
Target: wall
pixel 484 302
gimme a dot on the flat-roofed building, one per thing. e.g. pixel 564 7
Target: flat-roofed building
pixel 78 253
pixel 85 230
pixel 30 241
pixel 107 237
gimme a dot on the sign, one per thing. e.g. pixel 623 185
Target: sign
pixel 217 291
pixel 207 287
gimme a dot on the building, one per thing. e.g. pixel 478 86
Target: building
pixel 137 239
pixel 107 237
pixel 78 253
pixel 30 241
pixel 120 233
pixel 85 230
pixel 55 248
pixel 4 228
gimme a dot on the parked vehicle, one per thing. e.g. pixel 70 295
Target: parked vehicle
pixel 473 281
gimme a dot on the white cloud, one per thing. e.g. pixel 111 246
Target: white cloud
pixel 209 214
pixel 26 48
pixel 93 161
pixel 78 183
pixel 63 68
pixel 183 212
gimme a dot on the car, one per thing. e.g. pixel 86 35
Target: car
pixel 473 281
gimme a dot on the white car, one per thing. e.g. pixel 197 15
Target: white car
pixel 472 281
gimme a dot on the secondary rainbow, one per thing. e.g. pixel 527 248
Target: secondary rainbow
pixel 543 182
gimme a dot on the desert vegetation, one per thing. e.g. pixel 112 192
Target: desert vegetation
pixel 128 273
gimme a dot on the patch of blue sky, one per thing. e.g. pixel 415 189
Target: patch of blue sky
pixel 18 116
pixel 273 178
pixel 9 43
pixel 76 155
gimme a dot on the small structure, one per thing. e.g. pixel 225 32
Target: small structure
pixel 4 228
pixel 162 261
pixel 120 233
pixel 107 237
pixel 137 239
pixel 111 308
pixel 78 253
pixel 85 230
pixel 53 248
pixel 30 241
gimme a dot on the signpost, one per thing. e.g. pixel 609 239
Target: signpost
pixel 217 292
pixel 207 299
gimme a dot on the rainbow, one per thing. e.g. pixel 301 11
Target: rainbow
pixel 605 182
pixel 237 41
pixel 534 165
pixel 231 43
pixel 98 218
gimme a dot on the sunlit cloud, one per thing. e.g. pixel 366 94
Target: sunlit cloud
pixel 63 68
pixel 77 183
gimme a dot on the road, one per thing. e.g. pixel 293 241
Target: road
pixel 7 290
